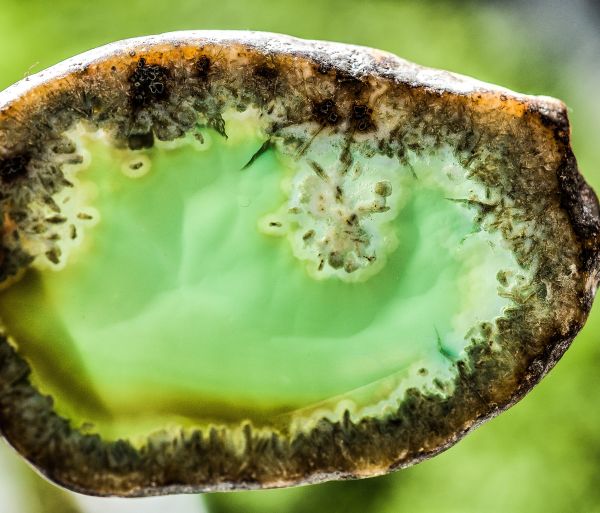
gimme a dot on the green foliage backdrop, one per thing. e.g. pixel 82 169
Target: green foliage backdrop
pixel 544 454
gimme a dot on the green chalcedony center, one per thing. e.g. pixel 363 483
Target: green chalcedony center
pixel 180 302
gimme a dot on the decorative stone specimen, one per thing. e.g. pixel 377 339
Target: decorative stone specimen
pixel 238 260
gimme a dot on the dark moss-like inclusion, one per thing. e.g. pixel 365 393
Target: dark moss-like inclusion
pixel 191 287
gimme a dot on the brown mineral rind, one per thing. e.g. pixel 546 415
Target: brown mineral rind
pixel 513 143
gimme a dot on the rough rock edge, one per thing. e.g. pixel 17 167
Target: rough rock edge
pixel 576 198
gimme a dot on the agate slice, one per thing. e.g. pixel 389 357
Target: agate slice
pixel 237 260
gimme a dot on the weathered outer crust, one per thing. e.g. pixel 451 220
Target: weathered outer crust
pixel 423 425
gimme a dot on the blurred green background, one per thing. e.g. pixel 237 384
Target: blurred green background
pixel 541 456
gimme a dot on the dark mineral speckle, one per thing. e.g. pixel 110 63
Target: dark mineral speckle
pixel 361 117
pixel 266 71
pixel 326 112
pixel 140 141
pixel 15 167
pixel 202 67
pixel 148 83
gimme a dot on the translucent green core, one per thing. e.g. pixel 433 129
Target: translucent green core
pixel 177 304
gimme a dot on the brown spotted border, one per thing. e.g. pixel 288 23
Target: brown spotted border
pixel 149 88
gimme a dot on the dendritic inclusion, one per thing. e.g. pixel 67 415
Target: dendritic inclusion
pixel 247 251
pixel 237 253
